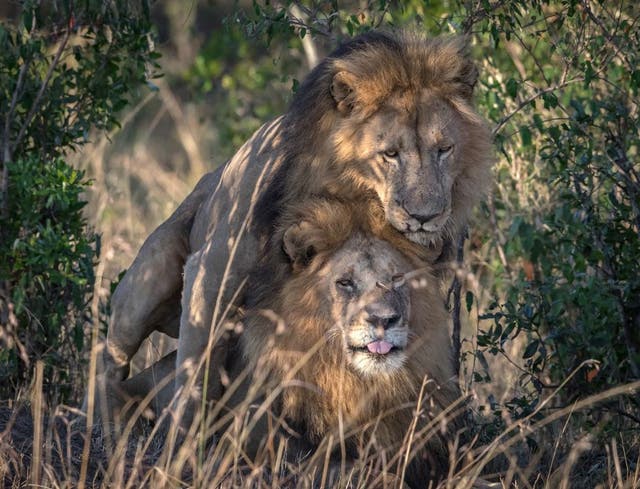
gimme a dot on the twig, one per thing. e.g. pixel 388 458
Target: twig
pixel 184 128
pixel 308 45
pixel 384 12
pixel 37 405
pixel 499 240
pixel 7 154
pixel 43 87
pixel 607 35
pixel 14 100
pixel 501 123
pixel 479 14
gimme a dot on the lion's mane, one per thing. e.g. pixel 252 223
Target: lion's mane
pixel 387 402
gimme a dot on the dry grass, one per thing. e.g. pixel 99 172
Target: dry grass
pixel 53 448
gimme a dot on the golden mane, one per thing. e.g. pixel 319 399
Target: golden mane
pixel 383 404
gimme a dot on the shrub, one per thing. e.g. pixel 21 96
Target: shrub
pixel 64 70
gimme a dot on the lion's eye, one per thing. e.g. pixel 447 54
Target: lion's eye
pixel 346 284
pixel 390 153
pixel 444 150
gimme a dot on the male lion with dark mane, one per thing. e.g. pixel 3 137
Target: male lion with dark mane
pixel 387 118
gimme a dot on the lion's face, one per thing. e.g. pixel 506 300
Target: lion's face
pixel 360 292
pixel 369 304
pixel 407 152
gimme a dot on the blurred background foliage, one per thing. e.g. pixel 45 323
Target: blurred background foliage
pixel 552 261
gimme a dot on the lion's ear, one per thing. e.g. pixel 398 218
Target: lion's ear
pixel 467 70
pixel 469 77
pixel 343 91
pixel 296 244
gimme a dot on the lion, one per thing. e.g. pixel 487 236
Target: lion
pixel 354 331
pixel 388 117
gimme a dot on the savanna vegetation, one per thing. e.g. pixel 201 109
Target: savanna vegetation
pixel 111 111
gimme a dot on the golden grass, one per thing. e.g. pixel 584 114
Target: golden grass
pixel 53 448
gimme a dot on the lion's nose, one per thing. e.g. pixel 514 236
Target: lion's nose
pixel 421 218
pixel 425 218
pixel 384 322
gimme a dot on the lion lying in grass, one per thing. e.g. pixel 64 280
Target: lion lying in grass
pixel 386 119
pixel 361 333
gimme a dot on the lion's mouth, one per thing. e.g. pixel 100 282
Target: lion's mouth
pixel 376 348
pixel 422 237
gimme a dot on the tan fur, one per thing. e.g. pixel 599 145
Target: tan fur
pixel 310 315
pixel 397 93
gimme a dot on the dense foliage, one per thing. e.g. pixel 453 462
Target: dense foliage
pixel 63 72
pixel 567 202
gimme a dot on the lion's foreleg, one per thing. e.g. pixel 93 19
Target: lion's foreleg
pixel 213 283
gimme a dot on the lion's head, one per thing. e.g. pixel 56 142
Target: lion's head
pixel 362 314
pixel 361 291
pixel 390 115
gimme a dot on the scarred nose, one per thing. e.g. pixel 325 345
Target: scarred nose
pixel 422 218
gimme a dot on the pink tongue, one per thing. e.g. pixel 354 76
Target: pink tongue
pixel 380 347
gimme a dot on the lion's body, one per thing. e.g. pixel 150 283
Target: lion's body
pixel 306 339
pixel 387 119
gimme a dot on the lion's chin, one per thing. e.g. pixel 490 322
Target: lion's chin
pixel 424 238
pixel 421 237
pixel 373 364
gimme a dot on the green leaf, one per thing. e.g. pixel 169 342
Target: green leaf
pixel 531 349
pixel 483 361
pixel 525 135
pixel 512 88
pixel 550 100
pixel 589 74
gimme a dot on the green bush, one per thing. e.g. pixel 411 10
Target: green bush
pixel 65 70
pixel 48 258
pixel 576 144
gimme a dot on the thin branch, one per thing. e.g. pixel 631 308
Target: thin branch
pixel 457 291
pixel 480 14
pixel 298 11
pixel 308 45
pixel 502 122
pixel 535 59
pixel 43 87
pixel 607 35
pixel 7 154
pixel 382 15
pixel 499 240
